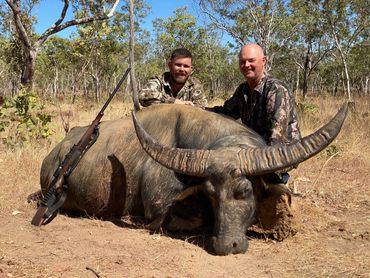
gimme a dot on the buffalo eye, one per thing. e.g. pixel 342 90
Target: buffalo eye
pixel 209 188
pixel 236 173
pixel 242 192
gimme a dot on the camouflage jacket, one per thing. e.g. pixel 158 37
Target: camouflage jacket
pixel 158 90
pixel 269 110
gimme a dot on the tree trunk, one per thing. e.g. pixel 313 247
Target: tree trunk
pixel 306 69
pixel 347 84
pixel 15 86
pixel 297 82
pixel 73 90
pixel 85 90
pixel 347 80
pixel 28 72
pixel 31 48
pixel 96 81
pixel 343 83
pixel 132 58
pixel 55 85
pixel 128 82
pixel 305 84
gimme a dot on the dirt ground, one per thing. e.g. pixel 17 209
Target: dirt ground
pixel 332 218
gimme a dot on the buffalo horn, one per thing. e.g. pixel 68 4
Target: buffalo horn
pixel 186 161
pixel 257 161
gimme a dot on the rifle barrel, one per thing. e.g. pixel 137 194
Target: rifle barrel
pixel 111 95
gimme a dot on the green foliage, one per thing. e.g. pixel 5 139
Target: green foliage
pixel 333 150
pixel 179 30
pixel 22 120
pixel 307 107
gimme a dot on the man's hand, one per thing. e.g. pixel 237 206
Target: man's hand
pixel 186 102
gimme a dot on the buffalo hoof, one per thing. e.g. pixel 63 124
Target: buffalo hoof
pixel 34 197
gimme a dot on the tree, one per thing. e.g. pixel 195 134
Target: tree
pixel 266 22
pixel 31 43
pixel 11 62
pixel 180 30
pixel 311 43
pixel 54 62
pixel 346 20
pixel 98 53
pixel 359 60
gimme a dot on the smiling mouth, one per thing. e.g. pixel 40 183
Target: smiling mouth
pixel 180 77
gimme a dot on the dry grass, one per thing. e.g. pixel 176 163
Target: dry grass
pixel 356 129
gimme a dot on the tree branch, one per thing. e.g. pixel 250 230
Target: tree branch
pixel 18 23
pixel 297 63
pixel 322 56
pixel 352 39
pixel 218 22
pixel 57 27
pixel 63 14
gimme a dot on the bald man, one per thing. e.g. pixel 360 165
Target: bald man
pixel 262 102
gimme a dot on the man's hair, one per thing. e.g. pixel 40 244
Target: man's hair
pixel 181 52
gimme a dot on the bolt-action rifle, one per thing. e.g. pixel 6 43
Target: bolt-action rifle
pixel 58 188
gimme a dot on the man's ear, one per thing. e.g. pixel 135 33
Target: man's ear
pixel 264 59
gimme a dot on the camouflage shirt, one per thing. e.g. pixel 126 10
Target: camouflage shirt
pixel 158 90
pixel 269 110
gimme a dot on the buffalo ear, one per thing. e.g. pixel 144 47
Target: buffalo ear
pixel 275 189
pixel 156 224
pixel 278 189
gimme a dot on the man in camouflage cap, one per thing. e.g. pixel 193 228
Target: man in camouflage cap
pixel 175 86
pixel 263 102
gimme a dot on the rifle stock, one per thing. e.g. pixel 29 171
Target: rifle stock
pixel 38 218
pixel 58 188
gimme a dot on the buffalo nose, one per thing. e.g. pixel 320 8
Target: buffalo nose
pixel 239 247
pixel 224 246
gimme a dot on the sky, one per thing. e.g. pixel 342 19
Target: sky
pixel 49 11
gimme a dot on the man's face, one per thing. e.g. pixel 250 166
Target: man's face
pixel 252 63
pixel 180 69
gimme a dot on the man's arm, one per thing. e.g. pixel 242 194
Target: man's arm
pixel 282 114
pixel 284 128
pixel 153 93
pixel 198 97
pixel 231 107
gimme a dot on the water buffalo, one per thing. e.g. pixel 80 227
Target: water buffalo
pixel 179 149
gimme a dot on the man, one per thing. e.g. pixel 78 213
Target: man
pixel 263 103
pixel 175 86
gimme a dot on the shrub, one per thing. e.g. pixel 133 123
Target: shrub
pixel 333 150
pixel 22 120
pixel 307 107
